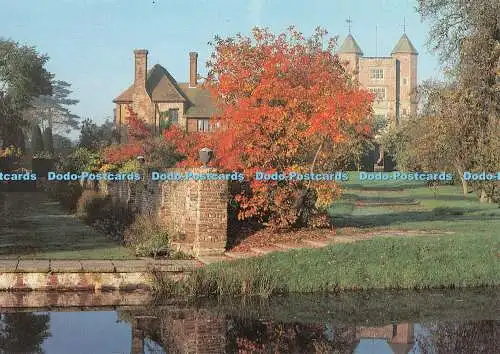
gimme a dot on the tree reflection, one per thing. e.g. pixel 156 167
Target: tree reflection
pixel 23 332
pixel 460 337
pixel 251 336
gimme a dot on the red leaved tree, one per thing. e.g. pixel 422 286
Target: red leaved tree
pixel 141 140
pixel 137 132
pixel 286 104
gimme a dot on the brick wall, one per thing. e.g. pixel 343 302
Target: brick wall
pixel 193 212
pixel 401 333
pixel 194 331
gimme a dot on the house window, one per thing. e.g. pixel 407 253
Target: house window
pixel 404 111
pixel 377 74
pixel 203 125
pixel 379 92
pixel 164 122
pixel 405 81
pixel 173 116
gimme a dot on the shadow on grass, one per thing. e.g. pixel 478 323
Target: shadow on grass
pixel 383 188
pixel 32 224
pixel 238 231
pixel 458 198
pixel 437 214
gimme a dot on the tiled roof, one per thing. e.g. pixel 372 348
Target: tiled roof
pixel 125 96
pixel 350 46
pixel 162 87
pixel 404 45
pixel 201 103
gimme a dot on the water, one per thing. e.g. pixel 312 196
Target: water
pixel 402 322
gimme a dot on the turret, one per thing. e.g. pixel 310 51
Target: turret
pixel 406 55
pixel 350 52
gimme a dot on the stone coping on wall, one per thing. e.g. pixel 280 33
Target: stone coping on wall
pixel 93 275
pixel 71 300
pixel 96 266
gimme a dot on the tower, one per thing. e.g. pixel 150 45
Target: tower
pixel 351 52
pixel 406 77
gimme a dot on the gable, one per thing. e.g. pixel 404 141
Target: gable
pixel 160 86
pixel 201 104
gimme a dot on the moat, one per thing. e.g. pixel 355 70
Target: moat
pixel 461 321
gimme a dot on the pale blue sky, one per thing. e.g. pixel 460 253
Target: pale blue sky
pixel 90 42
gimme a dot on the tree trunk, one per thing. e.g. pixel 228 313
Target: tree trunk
pixel 485 198
pixel 465 185
pixel 300 202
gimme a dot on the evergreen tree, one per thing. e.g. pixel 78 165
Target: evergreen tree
pixel 36 140
pixel 48 141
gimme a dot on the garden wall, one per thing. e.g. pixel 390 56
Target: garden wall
pixel 194 212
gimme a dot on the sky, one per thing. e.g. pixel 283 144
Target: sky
pixel 90 42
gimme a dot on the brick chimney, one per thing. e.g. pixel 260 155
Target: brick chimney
pixel 141 101
pixel 141 68
pixel 193 69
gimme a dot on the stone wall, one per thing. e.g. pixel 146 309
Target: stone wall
pixel 194 212
pixel 193 331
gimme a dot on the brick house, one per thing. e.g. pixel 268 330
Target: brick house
pixel 159 99
pixel 393 79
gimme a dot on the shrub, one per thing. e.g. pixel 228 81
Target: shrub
pixel 67 193
pixel 130 166
pixel 91 204
pixel 147 237
pixel 113 220
pixel 82 159
pixel 10 157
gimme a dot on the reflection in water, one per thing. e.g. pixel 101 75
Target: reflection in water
pixel 178 328
pixel 23 332
pixel 460 337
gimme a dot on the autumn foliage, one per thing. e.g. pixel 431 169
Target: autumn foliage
pixel 286 104
pixel 142 140
pixel 137 132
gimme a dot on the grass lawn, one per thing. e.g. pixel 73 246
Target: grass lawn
pixel 34 227
pixel 461 247
pixel 403 205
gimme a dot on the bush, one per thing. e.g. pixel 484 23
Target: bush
pixel 114 220
pixel 10 157
pixel 91 204
pixel 130 166
pixel 82 159
pixel 67 193
pixel 147 237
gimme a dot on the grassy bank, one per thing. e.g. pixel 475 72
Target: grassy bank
pixel 372 308
pixel 390 263
pixel 458 246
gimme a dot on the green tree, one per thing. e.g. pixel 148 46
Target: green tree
pixel 48 141
pixel 36 140
pixel 107 133
pixel 23 332
pixel 466 35
pixel 22 77
pixel 89 135
pixel 95 137
pixel 63 146
pixel 53 110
